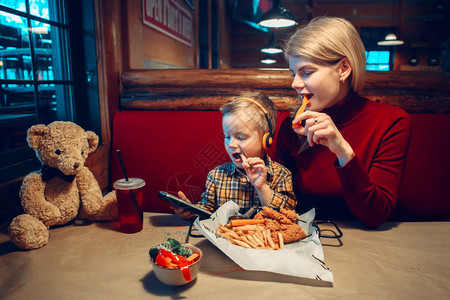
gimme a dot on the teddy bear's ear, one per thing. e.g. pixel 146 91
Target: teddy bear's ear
pixel 35 134
pixel 92 140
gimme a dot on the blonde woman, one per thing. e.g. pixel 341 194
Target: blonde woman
pixel 348 156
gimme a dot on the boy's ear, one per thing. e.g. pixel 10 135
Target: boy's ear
pixel 345 69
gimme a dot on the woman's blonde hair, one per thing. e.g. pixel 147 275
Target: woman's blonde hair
pixel 327 40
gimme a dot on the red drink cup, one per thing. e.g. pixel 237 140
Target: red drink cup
pixel 130 199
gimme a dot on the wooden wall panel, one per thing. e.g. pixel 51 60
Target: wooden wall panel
pixel 416 92
pixel 109 68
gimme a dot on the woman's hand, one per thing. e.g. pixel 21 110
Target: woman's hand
pixel 320 129
pixel 181 212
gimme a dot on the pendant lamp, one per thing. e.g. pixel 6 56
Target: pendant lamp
pixel 277 17
pixel 391 39
pixel 271 47
pixel 268 60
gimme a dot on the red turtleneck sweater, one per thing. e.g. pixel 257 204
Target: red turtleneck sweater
pixel 366 187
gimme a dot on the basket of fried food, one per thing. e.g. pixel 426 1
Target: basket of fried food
pixel 268 229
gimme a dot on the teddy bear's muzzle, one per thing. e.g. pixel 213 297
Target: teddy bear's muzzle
pixel 71 168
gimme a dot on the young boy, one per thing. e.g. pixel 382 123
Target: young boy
pixel 251 178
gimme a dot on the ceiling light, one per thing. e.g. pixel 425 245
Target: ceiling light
pixel 277 17
pixel 413 60
pixel 433 60
pixel 268 60
pixel 271 47
pixel 390 40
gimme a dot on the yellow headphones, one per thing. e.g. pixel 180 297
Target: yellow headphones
pixel 268 136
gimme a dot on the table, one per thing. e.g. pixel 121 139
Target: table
pixel 97 261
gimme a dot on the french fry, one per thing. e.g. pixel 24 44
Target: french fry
pixel 244 228
pixel 259 235
pixel 239 232
pixel 227 232
pixel 281 241
pixel 259 232
pixel 269 239
pixel 252 240
pixel 224 228
pixel 258 240
pixel 233 235
pixel 266 242
pixel 245 239
pixel 244 161
pixel 240 243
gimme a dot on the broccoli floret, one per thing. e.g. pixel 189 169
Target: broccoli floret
pixel 183 251
pixel 153 252
pixel 171 245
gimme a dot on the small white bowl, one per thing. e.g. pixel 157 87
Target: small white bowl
pixel 174 276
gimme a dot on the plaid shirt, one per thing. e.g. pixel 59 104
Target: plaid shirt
pixel 226 182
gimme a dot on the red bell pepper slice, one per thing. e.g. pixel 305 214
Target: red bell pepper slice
pixel 163 261
pixel 184 267
pixel 177 259
pixel 166 253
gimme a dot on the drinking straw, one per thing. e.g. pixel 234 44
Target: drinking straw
pixel 133 198
pixel 123 166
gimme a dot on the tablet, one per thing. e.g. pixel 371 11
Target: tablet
pixel 180 203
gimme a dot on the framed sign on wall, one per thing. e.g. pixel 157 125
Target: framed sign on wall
pixel 170 18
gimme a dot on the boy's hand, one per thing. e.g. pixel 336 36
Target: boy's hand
pixel 256 172
pixel 181 212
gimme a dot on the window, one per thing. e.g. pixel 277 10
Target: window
pixel 377 60
pixel 208 38
pixel 38 81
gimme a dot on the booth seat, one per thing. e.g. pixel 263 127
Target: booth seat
pixel 174 150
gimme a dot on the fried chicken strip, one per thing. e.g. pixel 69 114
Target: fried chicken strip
pixel 284 222
pixel 274 215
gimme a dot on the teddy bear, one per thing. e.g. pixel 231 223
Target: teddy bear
pixel 64 189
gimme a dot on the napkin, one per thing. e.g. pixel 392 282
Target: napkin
pixel 301 259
